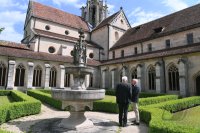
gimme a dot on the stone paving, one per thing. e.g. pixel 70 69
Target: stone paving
pixel 47 122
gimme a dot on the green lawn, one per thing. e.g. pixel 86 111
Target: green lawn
pixel 187 117
pixel 5 100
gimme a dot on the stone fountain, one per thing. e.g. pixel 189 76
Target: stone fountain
pixel 78 97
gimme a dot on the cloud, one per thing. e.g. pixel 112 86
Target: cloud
pixel 175 5
pixel 139 16
pixel 9 21
pixel 110 9
pixel 75 3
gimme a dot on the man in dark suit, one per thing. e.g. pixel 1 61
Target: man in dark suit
pixel 123 98
pixel 135 100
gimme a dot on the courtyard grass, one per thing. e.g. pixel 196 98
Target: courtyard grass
pixel 6 100
pixel 188 117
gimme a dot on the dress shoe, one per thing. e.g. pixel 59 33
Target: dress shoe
pixel 136 123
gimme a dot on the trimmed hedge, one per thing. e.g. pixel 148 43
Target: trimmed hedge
pixel 111 92
pixel 158 116
pixel 4 93
pixel 25 106
pixel 45 97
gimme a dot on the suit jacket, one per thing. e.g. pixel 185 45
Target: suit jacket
pixel 123 93
pixel 135 93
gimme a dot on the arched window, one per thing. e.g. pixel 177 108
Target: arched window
pixel 2 74
pixel 91 81
pixel 67 80
pixel 37 76
pixel 173 77
pixel 116 35
pixel 20 75
pixel 134 73
pixel 152 78
pixel 53 77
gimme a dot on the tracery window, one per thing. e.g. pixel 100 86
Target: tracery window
pixel 20 75
pixel 53 77
pixel 134 74
pixel 37 76
pixel 2 74
pixel 173 77
pixel 152 78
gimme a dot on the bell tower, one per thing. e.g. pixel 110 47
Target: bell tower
pixel 94 12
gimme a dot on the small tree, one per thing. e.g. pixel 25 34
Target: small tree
pixel 1 29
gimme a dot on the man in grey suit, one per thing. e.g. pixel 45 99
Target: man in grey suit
pixel 123 98
pixel 135 100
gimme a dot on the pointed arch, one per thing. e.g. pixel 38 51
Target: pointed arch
pixel 173 77
pixel 3 71
pixel 151 77
pixel 196 78
pixel 37 76
pixel 53 77
pixel 134 73
pixel 20 75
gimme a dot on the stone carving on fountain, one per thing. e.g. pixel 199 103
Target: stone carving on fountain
pixel 78 97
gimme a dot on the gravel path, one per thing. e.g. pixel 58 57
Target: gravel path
pixel 26 123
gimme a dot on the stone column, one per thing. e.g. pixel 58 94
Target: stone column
pixel 47 74
pixel 62 77
pixel 182 77
pixel 71 80
pixel 113 79
pixel 11 76
pixel 139 75
pixel 158 77
pixel 103 79
pixel 30 75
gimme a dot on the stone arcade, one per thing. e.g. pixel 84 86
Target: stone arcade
pixel 163 54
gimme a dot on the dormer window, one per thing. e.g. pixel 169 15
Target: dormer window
pixel 47 27
pixel 158 30
pixel 137 28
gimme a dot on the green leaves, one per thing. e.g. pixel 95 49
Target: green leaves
pixel 1 29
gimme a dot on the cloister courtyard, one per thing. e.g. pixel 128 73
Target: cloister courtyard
pixel 37 111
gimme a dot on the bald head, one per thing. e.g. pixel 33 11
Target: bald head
pixel 134 82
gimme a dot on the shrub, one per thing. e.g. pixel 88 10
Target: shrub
pixel 26 106
pixel 45 97
pixel 4 93
pixel 158 116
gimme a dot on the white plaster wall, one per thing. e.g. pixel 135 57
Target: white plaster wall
pixel 58 28
pixel 117 22
pixel 100 37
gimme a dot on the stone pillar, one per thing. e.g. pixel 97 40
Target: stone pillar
pixel 30 75
pixel 158 77
pixel 139 75
pixel 11 76
pixel 87 80
pixel 47 74
pixel 182 77
pixel 103 79
pixel 71 80
pixel 62 77
pixel 97 15
pixel 113 79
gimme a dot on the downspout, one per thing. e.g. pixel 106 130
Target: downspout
pixel 38 43
pixel 108 42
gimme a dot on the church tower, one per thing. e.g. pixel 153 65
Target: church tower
pixel 94 12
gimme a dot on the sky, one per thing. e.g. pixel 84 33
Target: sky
pixel 13 12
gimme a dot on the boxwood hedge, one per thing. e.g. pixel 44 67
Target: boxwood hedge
pixel 24 106
pixel 45 97
pixel 158 116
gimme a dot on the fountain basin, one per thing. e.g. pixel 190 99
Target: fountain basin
pixel 79 70
pixel 78 95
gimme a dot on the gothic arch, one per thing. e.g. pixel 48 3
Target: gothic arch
pixel 20 75
pixel 196 79
pixel 53 77
pixel 173 77
pixel 37 76
pixel 133 73
pixel 151 77
pixel 3 72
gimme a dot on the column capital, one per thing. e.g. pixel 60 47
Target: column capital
pixel 62 66
pixel 30 64
pixel 47 65
pixel 12 62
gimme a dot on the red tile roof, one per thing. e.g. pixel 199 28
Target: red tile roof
pixel 181 50
pixel 19 52
pixel 13 45
pixel 56 15
pixel 173 23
